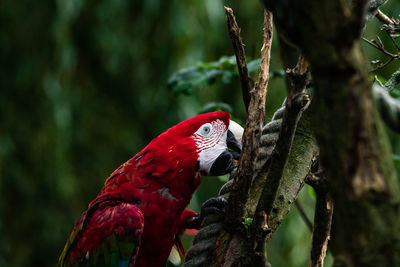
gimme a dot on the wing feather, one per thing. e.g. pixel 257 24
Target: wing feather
pixel 108 233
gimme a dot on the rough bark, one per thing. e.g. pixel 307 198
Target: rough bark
pixel 322 219
pixel 297 100
pixel 354 148
pixel 242 248
pixel 238 48
pixel 252 134
pixel 231 246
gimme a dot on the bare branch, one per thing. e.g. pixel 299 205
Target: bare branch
pixel 389 26
pixel 297 78
pixel 234 33
pixel 263 78
pixel 296 101
pixel 252 134
pixel 322 219
pixel 382 65
pixel 382 17
pixel 380 48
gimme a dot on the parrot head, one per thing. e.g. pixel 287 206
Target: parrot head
pixel 217 146
pixel 206 144
pixel 215 139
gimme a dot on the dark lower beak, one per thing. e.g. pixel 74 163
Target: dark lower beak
pixel 225 162
pixel 233 145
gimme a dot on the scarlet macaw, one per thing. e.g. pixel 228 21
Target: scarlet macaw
pixel 140 212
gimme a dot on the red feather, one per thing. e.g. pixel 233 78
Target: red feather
pixel 145 198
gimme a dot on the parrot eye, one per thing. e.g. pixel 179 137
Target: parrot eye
pixel 205 129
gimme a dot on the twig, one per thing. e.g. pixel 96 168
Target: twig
pixel 393 40
pixel 388 23
pixel 252 133
pixel 382 17
pixel 389 27
pixel 234 33
pixel 303 215
pixel 378 81
pixel 381 66
pixel 297 79
pixel 382 49
pixel 322 219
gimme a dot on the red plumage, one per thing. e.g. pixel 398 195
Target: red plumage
pixel 142 204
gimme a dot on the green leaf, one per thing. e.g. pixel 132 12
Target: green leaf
pixel 311 191
pixel 215 106
pixel 186 80
pixel 246 223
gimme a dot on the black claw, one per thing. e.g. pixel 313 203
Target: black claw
pixel 215 205
pixel 212 210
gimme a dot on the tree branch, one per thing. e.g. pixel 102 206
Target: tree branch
pixel 297 100
pixel 231 246
pixel 234 33
pixel 252 134
pixel 381 48
pixel 382 17
pixel 322 219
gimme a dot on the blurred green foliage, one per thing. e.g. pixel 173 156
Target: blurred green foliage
pixel 186 80
pixel 84 86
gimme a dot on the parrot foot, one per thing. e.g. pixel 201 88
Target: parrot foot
pixel 213 206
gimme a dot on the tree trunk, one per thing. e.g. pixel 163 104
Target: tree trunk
pixel 353 146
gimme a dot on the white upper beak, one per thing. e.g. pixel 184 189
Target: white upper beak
pixel 237 130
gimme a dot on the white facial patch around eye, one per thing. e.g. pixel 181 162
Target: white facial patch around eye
pixel 210 146
pixel 205 130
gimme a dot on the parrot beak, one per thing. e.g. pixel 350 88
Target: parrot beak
pixel 225 163
pixel 234 140
pixel 233 145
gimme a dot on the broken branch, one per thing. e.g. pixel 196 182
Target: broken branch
pixel 322 219
pixel 252 134
pixel 234 33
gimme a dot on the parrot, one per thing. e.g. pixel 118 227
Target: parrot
pixel 140 212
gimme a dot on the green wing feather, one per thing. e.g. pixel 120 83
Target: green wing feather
pixel 107 234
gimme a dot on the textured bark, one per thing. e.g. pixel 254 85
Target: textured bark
pixel 354 148
pixel 238 47
pixel 322 219
pixel 284 173
pixel 231 246
pixel 297 100
pixel 252 134
pixel 302 153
